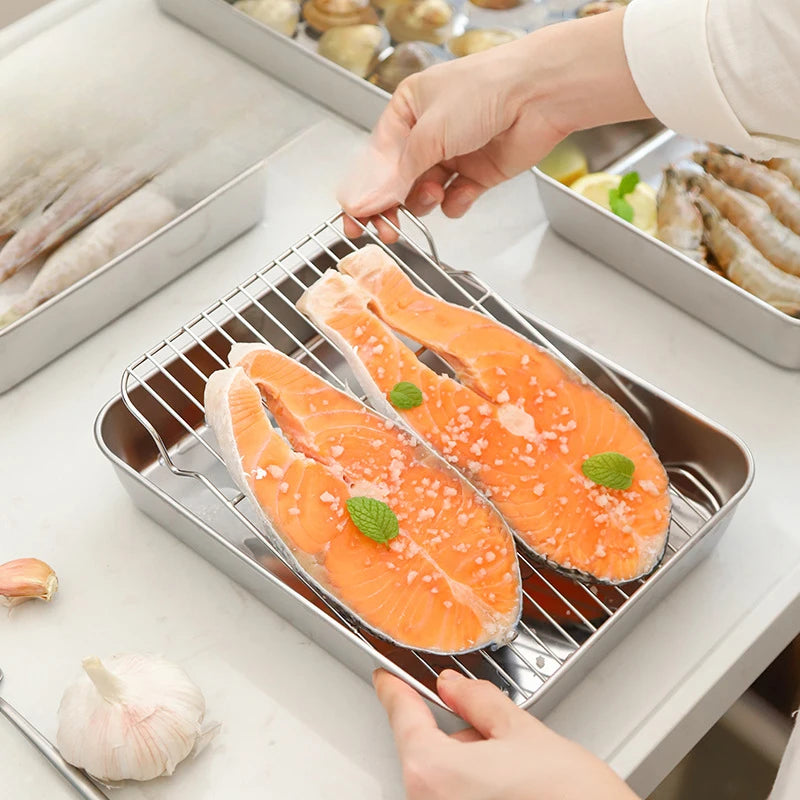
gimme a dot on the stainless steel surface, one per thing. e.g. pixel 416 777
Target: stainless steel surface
pixel 690 286
pixel 300 68
pixel 320 79
pixel 156 437
pixel 71 316
pixel 77 779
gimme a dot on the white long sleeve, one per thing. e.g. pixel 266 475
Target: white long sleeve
pixel 727 71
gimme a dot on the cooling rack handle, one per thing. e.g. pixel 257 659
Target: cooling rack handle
pixel 421 226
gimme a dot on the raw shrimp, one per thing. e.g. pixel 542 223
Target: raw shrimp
pixel 37 190
pixel 90 197
pixel 771 186
pixel 120 228
pixel 745 266
pixel 790 167
pixel 752 216
pixel 679 222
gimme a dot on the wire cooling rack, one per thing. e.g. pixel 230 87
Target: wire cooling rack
pixel 163 389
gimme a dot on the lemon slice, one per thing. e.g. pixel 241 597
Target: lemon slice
pixel 564 163
pixel 595 187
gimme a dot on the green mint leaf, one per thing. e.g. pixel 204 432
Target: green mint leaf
pixel 609 469
pixel 373 518
pixel 405 395
pixel 628 183
pixel 620 206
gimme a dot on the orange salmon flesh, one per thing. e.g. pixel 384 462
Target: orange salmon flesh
pixel 516 421
pixel 448 583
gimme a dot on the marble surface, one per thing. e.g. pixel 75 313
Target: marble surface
pixel 296 723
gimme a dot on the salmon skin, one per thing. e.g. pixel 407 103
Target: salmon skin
pixel 518 423
pixel 448 583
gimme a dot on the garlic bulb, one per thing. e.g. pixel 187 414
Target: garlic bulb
pixel 26 579
pixel 129 717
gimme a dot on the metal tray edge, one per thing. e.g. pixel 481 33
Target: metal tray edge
pixel 356 99
pixel 110 266
pixel 723 283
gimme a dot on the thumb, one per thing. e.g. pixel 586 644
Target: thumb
pixel 479 703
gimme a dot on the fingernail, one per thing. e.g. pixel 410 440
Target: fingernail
pixel 426 199
pixel 463 201
pixel 450 675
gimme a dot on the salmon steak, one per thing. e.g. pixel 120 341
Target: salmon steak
pixel 517 422
pixel 447 583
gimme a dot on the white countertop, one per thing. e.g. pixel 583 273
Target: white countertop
pixel 296 723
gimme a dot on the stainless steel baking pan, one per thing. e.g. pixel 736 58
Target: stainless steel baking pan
pixel 690 286
pixel 60 323
pixel 299 67
pixel 155 436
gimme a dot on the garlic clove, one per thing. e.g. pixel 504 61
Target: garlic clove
pixel 130 717
pixel 26 579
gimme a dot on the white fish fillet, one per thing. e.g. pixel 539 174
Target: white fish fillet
pixel 119 229
pixel 82 202
pixel 38 190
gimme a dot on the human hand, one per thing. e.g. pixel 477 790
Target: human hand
pixel 457 129
pixel 506 755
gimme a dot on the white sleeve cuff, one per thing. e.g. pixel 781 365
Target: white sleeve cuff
pixel 668 54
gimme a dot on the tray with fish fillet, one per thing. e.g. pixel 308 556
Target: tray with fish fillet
pixel 417 475
pixel 711 231
pixel 84 238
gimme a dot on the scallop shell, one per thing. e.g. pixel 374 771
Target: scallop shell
pixel 497 5
pixel 280 15
pixel 322 15
pixel 599 7
pixel 419 20
pixel 354 47
pixel 478 39
pixel 406 59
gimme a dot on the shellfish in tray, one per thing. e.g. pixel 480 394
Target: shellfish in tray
pixel 322 15
pixel 280 15
pixel 476 40
pixel 420 20
pixel 404 60
pixel 599 7
pixel 354 47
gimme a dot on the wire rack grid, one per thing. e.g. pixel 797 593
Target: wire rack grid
pixel 163 389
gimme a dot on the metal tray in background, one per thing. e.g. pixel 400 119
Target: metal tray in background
pixel 331 85
pixel 692 287
pixel 155 435
pixel 341 91
pixel 59 324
